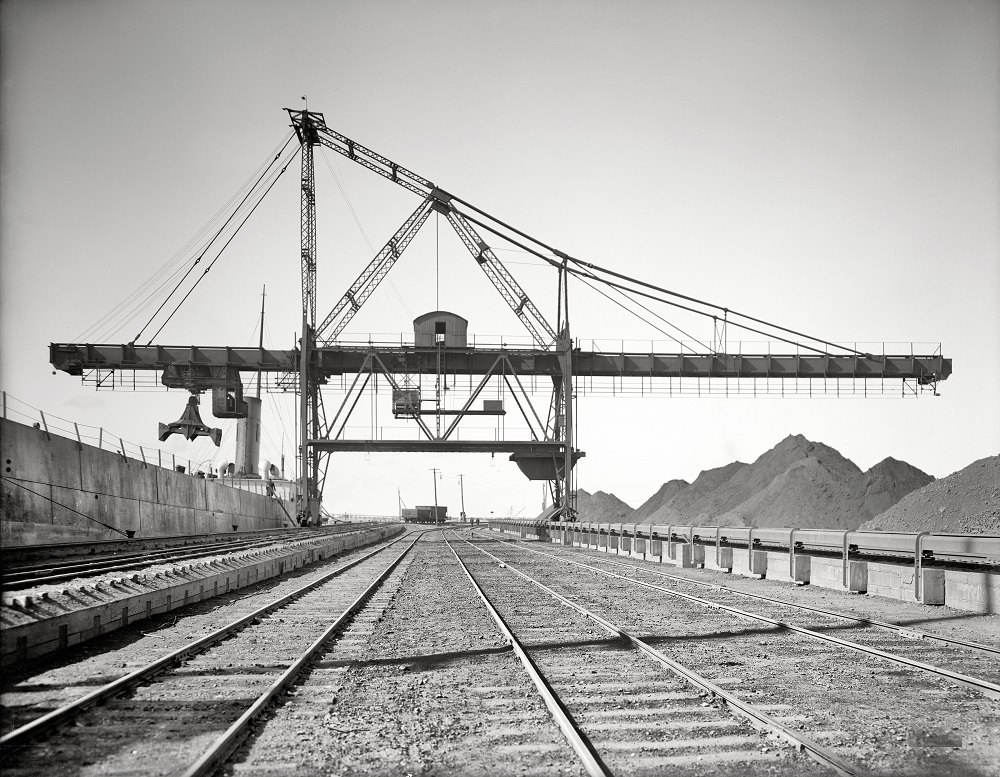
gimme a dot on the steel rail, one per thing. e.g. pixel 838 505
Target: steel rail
pixel 563 718
pixel 739 707
pixel 216 755
pixel 895 628
pixel 19 580
pixel 66 563
pixel 99 548
pixel 988 689
pixel 19 737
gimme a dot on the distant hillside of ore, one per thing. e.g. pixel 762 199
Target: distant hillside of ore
pixel 965 502
pixel 797 483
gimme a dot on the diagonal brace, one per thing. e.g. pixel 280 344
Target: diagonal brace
pixel 373 274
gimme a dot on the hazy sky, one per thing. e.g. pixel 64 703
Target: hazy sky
pixel 831 166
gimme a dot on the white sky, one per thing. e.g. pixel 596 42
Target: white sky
pixel 831 166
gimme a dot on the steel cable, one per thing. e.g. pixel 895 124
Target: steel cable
pixel 219 232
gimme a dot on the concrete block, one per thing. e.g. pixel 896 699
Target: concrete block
pixel 972 591
pixel 778 567
pixel 749 563
pixel 679 554
pixel 724 562
pixel 829 573
pixel 897 581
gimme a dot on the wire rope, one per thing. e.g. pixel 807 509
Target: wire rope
pixel 594 267
pixel 217 234
pixel 118 317
pixel 218 255
pixel 627 309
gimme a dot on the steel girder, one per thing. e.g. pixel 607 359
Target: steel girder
pixel 76 358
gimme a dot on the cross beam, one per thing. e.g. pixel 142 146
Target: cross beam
pixel 76 359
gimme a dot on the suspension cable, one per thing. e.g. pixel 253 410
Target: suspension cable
pixel 221 250
pixel 221 229
pixel 590 266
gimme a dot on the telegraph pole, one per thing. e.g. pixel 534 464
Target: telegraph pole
pixel 461 487
pixel 435 470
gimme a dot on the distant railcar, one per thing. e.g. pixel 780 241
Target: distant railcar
pixel 424 514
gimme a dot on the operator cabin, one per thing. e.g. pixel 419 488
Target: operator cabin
pixel 440 328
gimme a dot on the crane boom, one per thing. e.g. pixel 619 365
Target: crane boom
pixel 211 365
pixel 510 290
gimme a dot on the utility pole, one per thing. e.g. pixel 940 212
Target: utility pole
pixel 435 470
pixel 260 340
pixel 461 487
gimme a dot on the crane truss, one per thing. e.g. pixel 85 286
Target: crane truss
pixel 550 451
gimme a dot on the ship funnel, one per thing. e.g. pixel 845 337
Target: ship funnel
pixel 248 439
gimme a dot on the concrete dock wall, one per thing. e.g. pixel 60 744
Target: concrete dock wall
pixel 58 490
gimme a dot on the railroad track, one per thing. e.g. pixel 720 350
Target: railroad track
pixel 978 669
pixel 200 699
pixel 20 577
pixel 461 663
pixel 810 669
pixel 627 714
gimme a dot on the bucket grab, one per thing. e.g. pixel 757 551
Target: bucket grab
pixel 190 424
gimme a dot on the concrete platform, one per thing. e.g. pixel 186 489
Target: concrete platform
pixel 56 617
pixel 829 573
pixel 785 569
pixel 902 581
pixel 719 559
pixel 749 563
pixel 972 591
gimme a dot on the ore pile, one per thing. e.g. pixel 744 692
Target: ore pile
pixel 608 507
pixel 965 502
pixel 798 483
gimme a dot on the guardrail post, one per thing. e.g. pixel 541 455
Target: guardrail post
pixel 79 440
pixel 844 560
pixel 917 570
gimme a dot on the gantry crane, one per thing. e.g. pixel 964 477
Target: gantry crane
pixel 551 452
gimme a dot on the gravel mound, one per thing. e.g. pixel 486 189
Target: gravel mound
pixel 663 496
pixel 965 502
pixel 798 483
pixel 889 481
pixel 601 507
pixel 689 501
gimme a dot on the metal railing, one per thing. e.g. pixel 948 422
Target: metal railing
pixel 18 410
